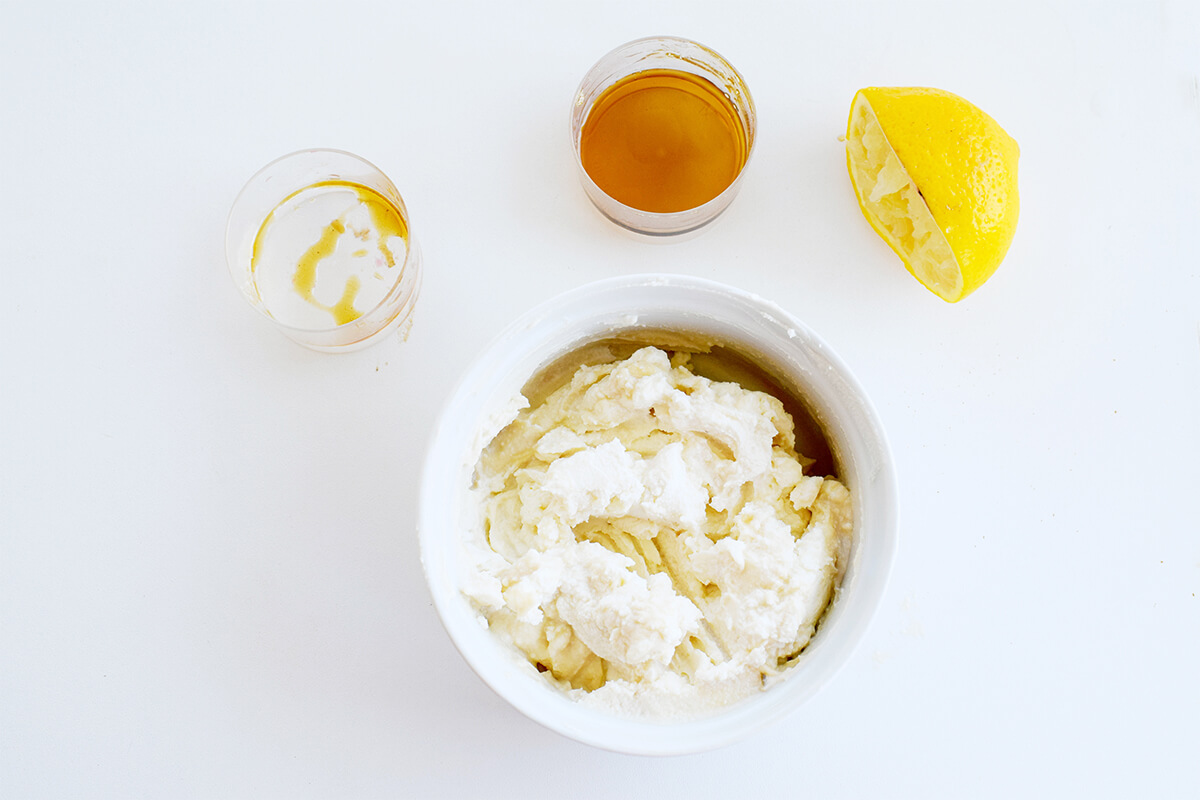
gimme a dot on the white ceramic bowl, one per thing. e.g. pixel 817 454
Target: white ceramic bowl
pixel 777 341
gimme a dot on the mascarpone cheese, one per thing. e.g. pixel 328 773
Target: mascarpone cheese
pixel 649 539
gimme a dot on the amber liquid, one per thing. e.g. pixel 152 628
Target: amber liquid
pixel 663 141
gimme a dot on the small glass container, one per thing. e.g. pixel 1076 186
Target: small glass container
pixel 657 56
pixel 320 242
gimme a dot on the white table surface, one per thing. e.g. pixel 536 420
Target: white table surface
pixel 209 578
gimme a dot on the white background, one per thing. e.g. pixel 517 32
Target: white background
pixel 209 578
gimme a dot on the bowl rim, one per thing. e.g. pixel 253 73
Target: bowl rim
pixel 540 328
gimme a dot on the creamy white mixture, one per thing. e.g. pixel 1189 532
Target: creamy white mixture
pixel 649 539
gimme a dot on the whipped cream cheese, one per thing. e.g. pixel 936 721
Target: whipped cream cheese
pixel 649 539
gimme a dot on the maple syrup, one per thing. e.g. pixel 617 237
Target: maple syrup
pixel 663 141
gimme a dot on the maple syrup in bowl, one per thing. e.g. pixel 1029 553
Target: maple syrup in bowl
pixel 663 128
pixel 320 243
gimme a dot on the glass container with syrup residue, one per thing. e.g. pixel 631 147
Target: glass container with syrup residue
pixel 320 243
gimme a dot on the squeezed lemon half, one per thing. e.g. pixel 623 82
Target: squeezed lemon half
pixel 937 178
